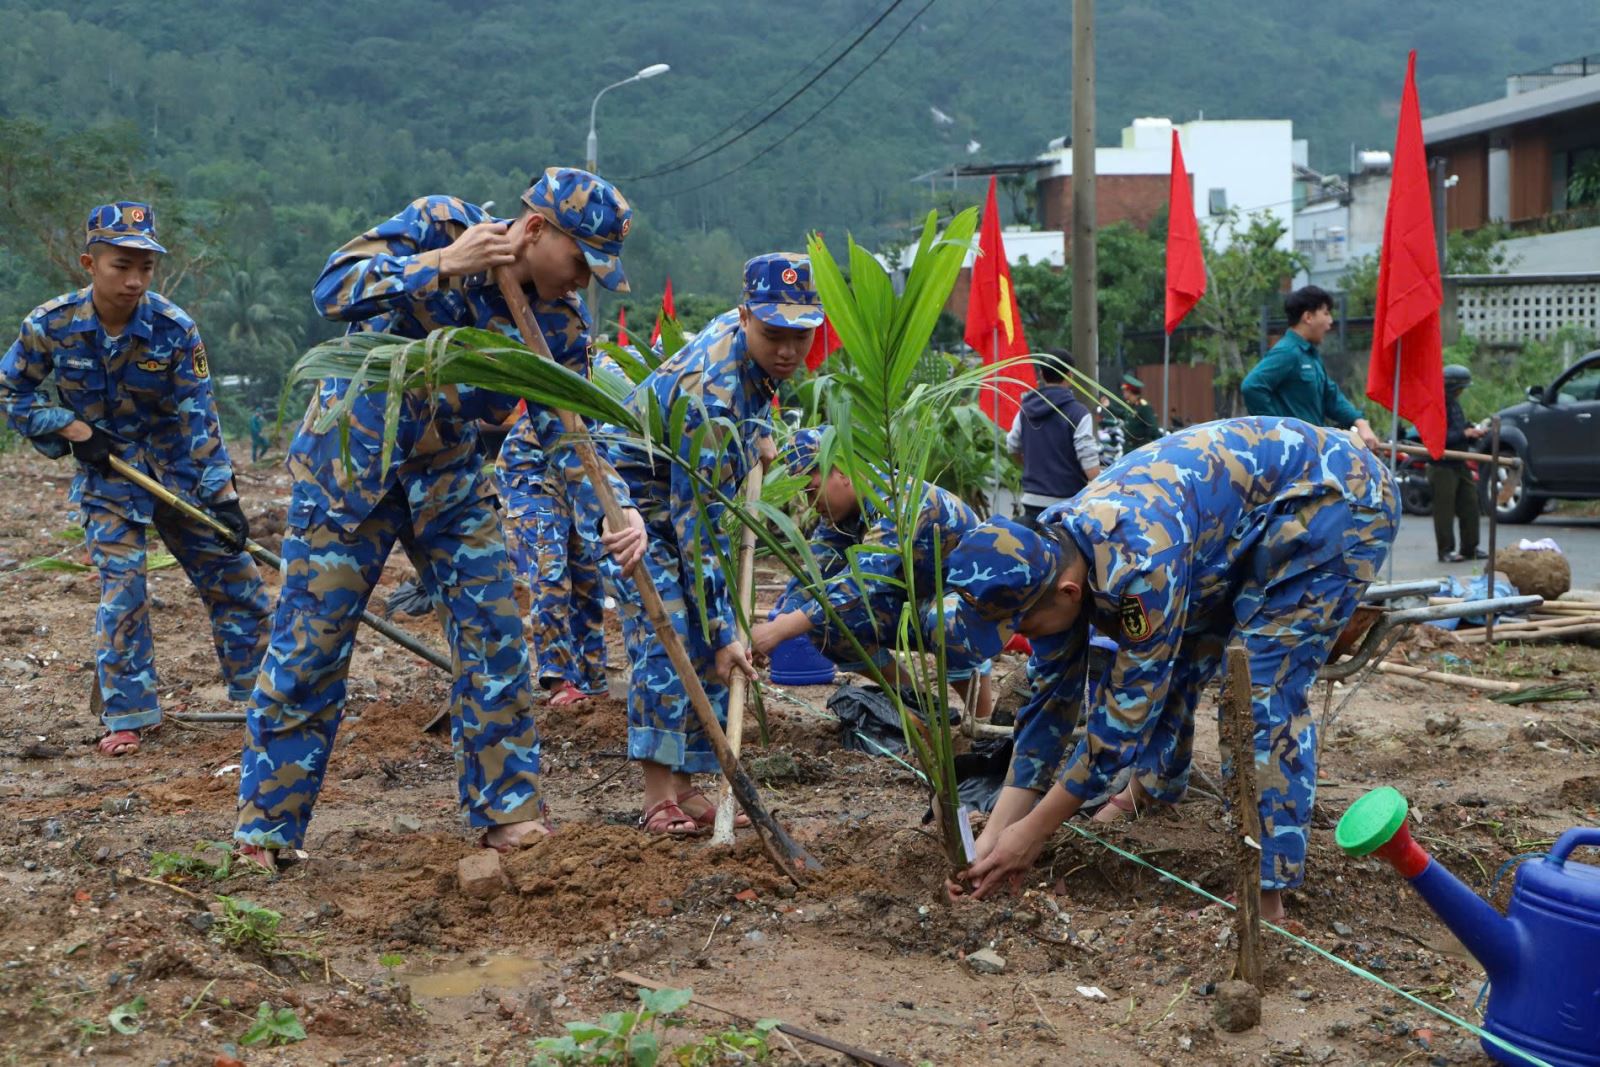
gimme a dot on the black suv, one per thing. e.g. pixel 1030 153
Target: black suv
pixel 1557 435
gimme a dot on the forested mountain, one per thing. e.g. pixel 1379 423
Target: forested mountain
pixel 275 130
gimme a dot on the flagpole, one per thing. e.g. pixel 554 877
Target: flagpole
pixel 1394 443
pixel 999 472
pixel 1166 373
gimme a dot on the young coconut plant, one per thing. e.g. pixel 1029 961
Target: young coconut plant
pixel 884 428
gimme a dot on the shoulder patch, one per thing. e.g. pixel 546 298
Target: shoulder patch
pixel 1135 620
pixel 168 310
pixel 202 365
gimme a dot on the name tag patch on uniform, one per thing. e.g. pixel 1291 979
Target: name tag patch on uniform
pixel 1135 620
pixel 202 366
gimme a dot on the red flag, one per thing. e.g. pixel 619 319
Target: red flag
pixel 1186 267
pixel 1409 289
pixel 823 342
pixel 994 324
pixel 667 310
pixel 622 327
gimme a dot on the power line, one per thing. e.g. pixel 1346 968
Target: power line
pixel 768 116
pixel 807 120
pixel 751 110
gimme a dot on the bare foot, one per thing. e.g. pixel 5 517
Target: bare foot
pixel 1272 909
pixel 1118 807
pixel 514 835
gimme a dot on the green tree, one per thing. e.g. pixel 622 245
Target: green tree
pixel 1477 251
pixel 1250 271
pixel 261 330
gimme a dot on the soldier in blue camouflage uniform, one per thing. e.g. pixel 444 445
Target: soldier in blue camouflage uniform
pixel 421 270
pixel 134 382
pixel 1263 530
pixel 869 605
pixel 560 564
pixel 721 385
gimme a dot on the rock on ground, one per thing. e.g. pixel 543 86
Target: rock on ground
pixel 480 874
pixel 1238 1006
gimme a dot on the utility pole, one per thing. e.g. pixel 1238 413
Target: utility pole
pixel 1085 301
pixel 1437 166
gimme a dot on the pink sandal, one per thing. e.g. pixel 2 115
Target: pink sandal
pixel 567 695
pixel 119 743
pixel 669 819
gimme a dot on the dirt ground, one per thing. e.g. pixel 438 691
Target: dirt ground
pixel 383 960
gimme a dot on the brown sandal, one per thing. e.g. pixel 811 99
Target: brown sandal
pixel 667 818
pixel 708 818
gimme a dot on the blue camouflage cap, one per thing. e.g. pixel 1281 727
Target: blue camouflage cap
pixel 778 291
pixel 996 573
pixel 589 210
pixel 126 224
pixel 800 454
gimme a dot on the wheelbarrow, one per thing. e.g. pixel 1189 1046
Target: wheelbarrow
pixel 1376 627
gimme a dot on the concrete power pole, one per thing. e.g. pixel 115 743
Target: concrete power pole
pixel 1085 301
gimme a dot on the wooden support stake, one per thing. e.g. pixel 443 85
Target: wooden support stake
pixel 860 1055
pixel 722 833
pixel 786 854
pixel 1494 513
pixel 1238 738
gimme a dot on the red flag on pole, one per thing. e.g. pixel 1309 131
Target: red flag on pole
pixel 667 310
pixel 1409 289
pixel 823 343
pixel 622 327
pixel 994 323
pixel 1186 267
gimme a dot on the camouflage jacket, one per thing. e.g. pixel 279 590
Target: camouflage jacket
pixel 387 280
pixel 724 401
pixel 150 390
pixel 869 597
pixel 1186 536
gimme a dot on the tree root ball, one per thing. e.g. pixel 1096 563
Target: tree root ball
pixel 1537 573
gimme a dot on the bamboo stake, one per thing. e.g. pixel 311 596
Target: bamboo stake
pixel 266 556
pixel 1550 633
pixel 784 852
pixel 1494 525
pixel 722 834
pixel 1405 670
pixel 1238 734
pixel 1450 453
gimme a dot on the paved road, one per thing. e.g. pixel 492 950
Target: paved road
pixel 1416 557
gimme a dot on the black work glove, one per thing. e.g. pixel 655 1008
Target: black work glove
pixel 231 515
pixel 96 451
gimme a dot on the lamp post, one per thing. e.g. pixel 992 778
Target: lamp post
pixel 593 151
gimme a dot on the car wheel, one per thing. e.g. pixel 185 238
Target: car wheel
pixel 1416 495
pixel 1521 506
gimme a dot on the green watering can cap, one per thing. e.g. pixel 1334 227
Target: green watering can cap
pixel 1371 822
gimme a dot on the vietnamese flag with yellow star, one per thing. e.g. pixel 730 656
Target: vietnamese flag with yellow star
pixel 994 324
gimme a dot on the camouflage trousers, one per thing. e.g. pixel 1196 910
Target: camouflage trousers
pixel 562 569
pixel 662 725
pixel 228 583
pixel 294 714
pixel 1288 634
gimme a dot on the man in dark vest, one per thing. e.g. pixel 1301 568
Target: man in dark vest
pixel 1053 438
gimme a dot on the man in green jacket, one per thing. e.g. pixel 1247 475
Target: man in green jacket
pixel 1291 381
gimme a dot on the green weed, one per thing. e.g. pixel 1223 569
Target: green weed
pixel 273 1027
pixel 636 1038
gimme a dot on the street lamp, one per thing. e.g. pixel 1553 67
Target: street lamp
pixel 594 144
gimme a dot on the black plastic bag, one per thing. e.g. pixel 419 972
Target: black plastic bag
pixel 868 721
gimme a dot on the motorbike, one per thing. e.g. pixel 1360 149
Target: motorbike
pixel 1416 495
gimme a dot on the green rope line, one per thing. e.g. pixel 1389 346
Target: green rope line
pixel 1359 972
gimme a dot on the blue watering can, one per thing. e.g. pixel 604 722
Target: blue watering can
pixel 1543 955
